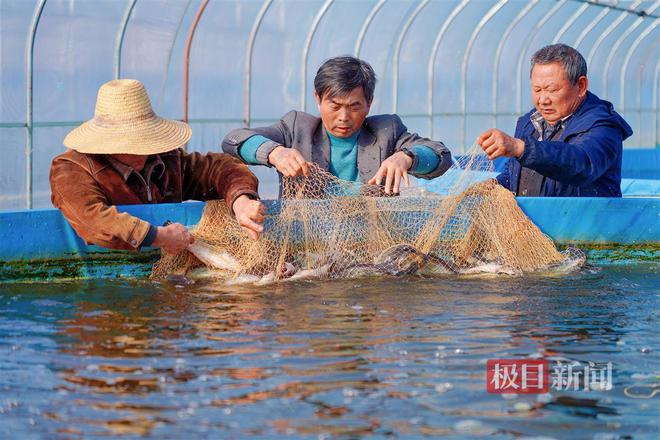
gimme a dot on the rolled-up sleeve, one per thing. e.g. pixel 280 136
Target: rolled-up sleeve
pixel 406 140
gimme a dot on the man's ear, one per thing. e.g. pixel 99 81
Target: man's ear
pixel 583 85
pixel 318 100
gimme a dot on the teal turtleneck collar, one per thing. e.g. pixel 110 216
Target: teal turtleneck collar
pixel 343 156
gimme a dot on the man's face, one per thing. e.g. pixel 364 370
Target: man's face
pixel 136 161
pixel 553 95
pixel 343 116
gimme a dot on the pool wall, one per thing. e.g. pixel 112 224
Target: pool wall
pixel 40 244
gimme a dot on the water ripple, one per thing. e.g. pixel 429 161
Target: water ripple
pixel 341 359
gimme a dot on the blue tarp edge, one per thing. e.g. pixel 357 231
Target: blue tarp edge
pixel 45 234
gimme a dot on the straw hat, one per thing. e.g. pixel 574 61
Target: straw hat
pixel 125 123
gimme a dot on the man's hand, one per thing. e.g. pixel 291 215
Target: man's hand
pixel 250 215
pixel 496 143
pixel 394 168
pixel 288 161
pixel 173 238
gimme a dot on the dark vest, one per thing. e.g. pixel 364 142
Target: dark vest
pixel 531 182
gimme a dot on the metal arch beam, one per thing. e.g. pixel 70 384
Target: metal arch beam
pixel 609 30
pixel 528 42
pixel 652 51
pixel 186 62
pixel 650 54
pixel 626 61
pixel 613 5
pixel 365 27
pixel 119 44
pixel 656 79
pixel 247 81
pixel 171 51
pixel 617 44
pixel 464 65
pixel 308 43
pixel 500 49
pixel 434 51
pixel 29 60
pixel 592 25
pixel 397 53
pixel 570 23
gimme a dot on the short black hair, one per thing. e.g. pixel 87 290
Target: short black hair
pixel 571 60
pixel 338 76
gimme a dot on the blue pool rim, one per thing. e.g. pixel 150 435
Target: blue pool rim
pixel 41 245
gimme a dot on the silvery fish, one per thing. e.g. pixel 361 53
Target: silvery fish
pixel 232 278
pixel 212 258
pixel 489 268
pixel 439 265
pixel 312 274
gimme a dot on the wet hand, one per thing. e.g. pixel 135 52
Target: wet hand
pixel 393 169
pixel 250 215
pixel 496 143
pixel 173 238
pixel 288 162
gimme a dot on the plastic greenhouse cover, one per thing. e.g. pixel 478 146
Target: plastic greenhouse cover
pixel 76 51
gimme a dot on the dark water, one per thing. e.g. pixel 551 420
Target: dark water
pixel 357 359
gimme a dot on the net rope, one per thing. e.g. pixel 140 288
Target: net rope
pixel 326 228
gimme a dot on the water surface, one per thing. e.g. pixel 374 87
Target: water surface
pixel 343 359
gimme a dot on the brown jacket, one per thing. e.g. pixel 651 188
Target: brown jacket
pixel 86 186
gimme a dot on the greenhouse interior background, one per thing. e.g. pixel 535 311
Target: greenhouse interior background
pixel 450 68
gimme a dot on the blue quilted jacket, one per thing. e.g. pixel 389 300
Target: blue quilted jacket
pixel 584 162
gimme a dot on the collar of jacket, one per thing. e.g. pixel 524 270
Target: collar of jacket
pixel 592 111
pixel 541 125
pixel 153 163
pixel 92 163
pixel 95 163
pixel 108 179
pixel 112 182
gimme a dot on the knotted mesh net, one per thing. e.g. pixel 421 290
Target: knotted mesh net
pixel 326 228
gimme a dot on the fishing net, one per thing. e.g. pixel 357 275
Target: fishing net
pixel 326 228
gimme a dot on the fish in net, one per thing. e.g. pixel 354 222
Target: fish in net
pixel 326 228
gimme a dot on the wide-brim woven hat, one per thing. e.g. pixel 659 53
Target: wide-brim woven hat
pixel 125 123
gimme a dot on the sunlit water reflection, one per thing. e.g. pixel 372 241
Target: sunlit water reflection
pixel 345 359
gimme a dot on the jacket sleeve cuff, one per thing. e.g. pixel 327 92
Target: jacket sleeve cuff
pixel 264 151
pixel 415 159
pixel 150 237
pixel 248 149
pixel 528 157
pixel 425 159
pixel 138 234
pixel 442 165
pixel 241 192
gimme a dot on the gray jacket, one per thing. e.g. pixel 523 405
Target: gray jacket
pixel 381 136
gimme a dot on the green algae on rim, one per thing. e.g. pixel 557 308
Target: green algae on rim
pixel 102 265
pixel 125 264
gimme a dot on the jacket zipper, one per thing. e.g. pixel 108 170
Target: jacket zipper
pixel 147 184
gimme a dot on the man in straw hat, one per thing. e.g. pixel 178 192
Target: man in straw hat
pixel 127 155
